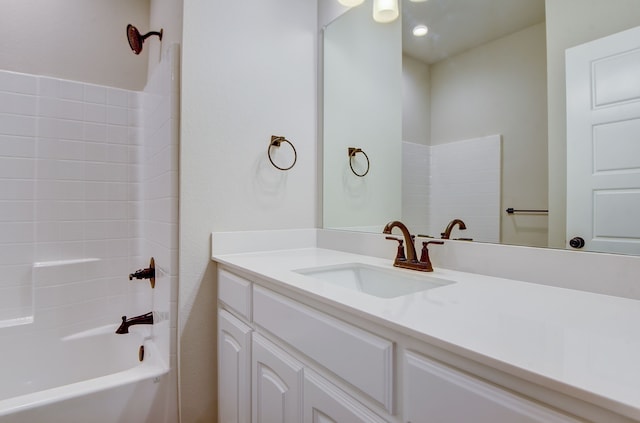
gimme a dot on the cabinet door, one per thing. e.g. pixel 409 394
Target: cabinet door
pixel 326 403
pixel 437 393
pixel 277 384
pixel 234 375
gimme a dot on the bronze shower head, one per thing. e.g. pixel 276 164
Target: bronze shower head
pixel 136 40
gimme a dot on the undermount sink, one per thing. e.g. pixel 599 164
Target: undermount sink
pixel 376 281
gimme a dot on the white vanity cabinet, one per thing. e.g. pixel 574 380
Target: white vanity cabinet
pixel 285 359
pixel 260 380
pixel 434 392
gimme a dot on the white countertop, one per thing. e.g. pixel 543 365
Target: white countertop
pixel 582 344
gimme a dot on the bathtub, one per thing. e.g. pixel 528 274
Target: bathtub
pixel 93 376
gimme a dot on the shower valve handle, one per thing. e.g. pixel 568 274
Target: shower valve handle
pixel 148 273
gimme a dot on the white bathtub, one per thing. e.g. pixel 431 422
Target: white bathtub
pixel 94 376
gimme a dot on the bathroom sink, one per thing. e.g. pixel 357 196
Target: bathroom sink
pixel 376 281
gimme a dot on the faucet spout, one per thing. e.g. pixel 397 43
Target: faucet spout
pixel 447 232
pixel 411 261
pixel 408 239
pixel 143 319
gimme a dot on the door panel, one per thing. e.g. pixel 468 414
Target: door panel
pixel 603 143
pixel 277 384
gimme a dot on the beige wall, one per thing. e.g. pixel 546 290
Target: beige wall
pixel 79 40
pixel 500 88
pixel 570 23
pixel 248 71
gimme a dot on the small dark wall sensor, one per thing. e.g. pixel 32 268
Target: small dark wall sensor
pixel 136 40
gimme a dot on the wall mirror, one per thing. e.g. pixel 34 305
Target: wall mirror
pixel 471 120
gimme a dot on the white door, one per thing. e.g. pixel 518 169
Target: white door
pixel 277 384
pixel 603 143
pixel 234 369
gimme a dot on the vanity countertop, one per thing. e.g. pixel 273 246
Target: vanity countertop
pixel 583 344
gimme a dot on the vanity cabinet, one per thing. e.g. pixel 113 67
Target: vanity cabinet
pixel 260 380
pixel 434 392
pixel 283 360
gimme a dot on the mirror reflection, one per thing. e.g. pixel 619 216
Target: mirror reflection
pixel 464 122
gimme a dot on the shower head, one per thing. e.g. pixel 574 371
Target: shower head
pixel 136 40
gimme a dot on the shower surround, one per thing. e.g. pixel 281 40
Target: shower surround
pixel 88 193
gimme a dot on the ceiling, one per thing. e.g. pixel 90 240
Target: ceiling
pixel 459 25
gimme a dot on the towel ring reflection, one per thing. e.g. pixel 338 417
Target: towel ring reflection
pixel 352 153
pixel 275 142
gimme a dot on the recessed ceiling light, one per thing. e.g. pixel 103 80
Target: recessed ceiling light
pixel 420 30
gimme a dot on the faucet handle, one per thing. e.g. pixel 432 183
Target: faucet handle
pixel 400 254
pixel 424 256
pixel 424 236
pixel 424 244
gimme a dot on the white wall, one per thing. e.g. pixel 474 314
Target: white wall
pixel 362 108
pixel 74 39
pixel 500 88
pixel 248 71
pixel 165 15
pixel 416 101
pixel 570 23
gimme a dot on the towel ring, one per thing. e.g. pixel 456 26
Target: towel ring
pixel 352 153
pixel 275 142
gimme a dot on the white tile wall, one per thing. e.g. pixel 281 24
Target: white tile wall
pixel 159 192
pixel 465 184
pixel 455 180
pixel 88 193
pixel 18 126
pixel 416 187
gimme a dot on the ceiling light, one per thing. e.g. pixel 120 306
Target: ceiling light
pixel 351 3
pixel 420 30
pixel 385 10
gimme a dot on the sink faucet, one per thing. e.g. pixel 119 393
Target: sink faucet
pixel 408 239
pixel 411 260
pixel 143 319
pixel 447 232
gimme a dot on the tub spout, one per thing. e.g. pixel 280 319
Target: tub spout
pixel 143 319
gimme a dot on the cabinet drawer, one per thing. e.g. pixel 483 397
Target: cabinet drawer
pixel 235 292
pixel 446 395
pixel 359 357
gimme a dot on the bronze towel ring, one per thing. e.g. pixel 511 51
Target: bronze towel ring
pixel 275 142
pixel 352 153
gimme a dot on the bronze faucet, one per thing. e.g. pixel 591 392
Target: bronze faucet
pixel 410 261
pixel 143 319
pixel 447 232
